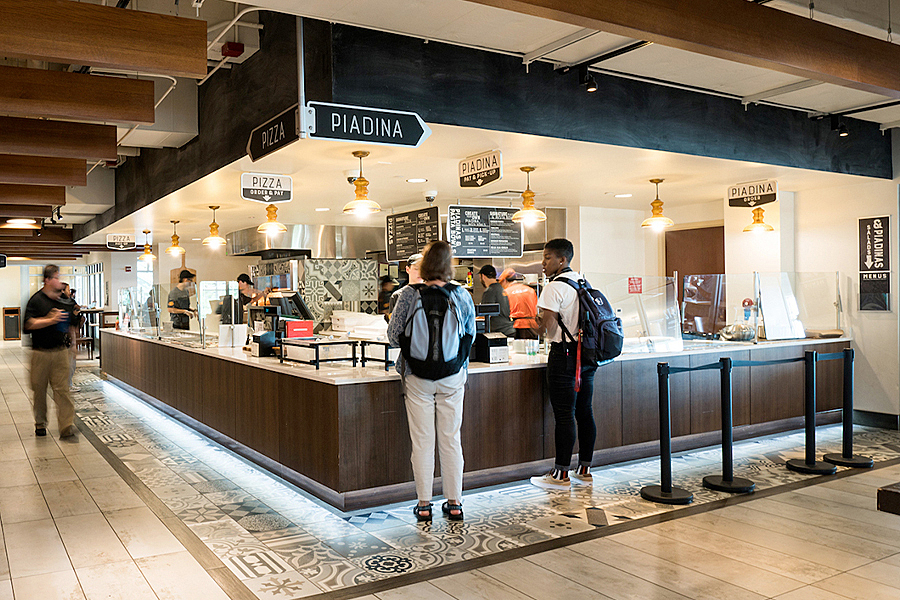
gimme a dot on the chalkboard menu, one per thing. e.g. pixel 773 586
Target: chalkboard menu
pixel 409 232
pixel 484 232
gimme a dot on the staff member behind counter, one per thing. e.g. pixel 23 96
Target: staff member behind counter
pixel 493 294
pixel 248 293
pixel 180 301
pixel 522 305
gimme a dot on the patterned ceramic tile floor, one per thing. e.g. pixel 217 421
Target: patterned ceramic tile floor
pixel 282 543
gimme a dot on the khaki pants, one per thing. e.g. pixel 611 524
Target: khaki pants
pixel 52 366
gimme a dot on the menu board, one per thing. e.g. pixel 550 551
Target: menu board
pixel 484 232
pixel 408 233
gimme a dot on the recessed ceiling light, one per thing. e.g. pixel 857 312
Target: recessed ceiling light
pixel 623 195
pixel 416 180
pixel 195 239
pixel 21 221
pixel 322 209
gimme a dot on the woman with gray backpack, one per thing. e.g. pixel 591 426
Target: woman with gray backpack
pixel 433 323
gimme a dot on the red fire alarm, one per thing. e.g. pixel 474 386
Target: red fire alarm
pixel 232 49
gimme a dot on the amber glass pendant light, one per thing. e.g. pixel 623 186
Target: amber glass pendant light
pixel 215 240
pixel 657 221
pixel 528 213
pixel 361 205
pixel 174 249
pixel 758 225
pixel 271 226
pixel 148 254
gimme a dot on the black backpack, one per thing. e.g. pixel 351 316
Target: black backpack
pixel 433 326
pixel 602 337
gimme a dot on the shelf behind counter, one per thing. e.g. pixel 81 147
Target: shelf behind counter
pixel 340 432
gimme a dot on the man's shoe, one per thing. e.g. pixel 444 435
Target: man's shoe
pixel 549 482
pixel 586 479
pixel 40 431
pixel 69 431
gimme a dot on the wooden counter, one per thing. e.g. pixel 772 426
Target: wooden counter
pixel 341 432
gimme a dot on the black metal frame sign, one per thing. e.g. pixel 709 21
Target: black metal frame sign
pixel 408 233
pixel 875 263
pixel 276 133
pixel 346 123
pixel 484 232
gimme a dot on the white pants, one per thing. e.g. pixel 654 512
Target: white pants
pixel 434 410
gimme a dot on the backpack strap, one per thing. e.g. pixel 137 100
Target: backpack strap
pixel 577 286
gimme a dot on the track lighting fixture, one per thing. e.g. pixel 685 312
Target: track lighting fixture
pixel 215 240
pixel 361 205
pixel 837 124
pixel 174 249
pixel 528 214
pixel 657 221
pixel 585 79
pixel 148 254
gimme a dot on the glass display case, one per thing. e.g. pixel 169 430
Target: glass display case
pixel 648 308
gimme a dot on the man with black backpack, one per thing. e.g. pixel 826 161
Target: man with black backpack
pixel 580 339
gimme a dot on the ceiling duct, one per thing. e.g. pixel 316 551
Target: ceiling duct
pixel 315 241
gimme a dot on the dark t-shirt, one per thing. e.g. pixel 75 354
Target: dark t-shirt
pixel 180 299
pixel 501 323
pixel 53 336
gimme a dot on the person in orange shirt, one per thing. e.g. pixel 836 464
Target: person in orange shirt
pixel 522 305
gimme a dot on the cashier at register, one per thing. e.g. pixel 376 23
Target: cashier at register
pixel 248 293
pixel 493 294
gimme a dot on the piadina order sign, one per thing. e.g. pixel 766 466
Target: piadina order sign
pixel 266 187
pixel 481 169
pixel 347 123
pixel 753 194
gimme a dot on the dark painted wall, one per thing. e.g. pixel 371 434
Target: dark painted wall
pixel 231 104
pixel 459 86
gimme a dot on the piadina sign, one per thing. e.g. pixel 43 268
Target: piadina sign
pixel 874 263
pixel 347 123
pixel 481 169
pixel 753 194
pixel 266 188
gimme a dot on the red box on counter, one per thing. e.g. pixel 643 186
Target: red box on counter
pixel 296 329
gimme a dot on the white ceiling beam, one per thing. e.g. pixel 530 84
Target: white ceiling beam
pixel 785 89
pixel 557 45
pixel 891 125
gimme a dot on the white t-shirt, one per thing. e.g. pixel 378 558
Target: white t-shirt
pixel 561 298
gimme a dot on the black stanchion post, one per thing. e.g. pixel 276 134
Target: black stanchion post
pixel 726 482
pixel 846 457
pixel 665 493
pixel 810 465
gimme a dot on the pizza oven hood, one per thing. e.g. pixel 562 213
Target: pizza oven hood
pixel 314 241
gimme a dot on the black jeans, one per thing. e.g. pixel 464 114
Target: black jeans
pixel 570 408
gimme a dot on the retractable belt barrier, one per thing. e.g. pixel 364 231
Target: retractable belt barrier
pixel 667 494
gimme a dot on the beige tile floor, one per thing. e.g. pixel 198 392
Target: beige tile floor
pixel 74 529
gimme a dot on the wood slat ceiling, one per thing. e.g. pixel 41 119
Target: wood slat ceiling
pixel 38 157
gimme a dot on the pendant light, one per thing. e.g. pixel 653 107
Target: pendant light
pixel 147 255
pixel 215 240
pixel 174 249
pixel 657 220
pixel 271 226
pixel 361 205
pixel 758 225
pixel 528 214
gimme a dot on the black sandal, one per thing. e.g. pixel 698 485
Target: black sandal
pixel 447 508
pixel 423 513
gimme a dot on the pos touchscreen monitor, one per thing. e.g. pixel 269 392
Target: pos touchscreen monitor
pixel 291 303
pixel 232 311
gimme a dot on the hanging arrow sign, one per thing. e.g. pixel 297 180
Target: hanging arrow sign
pixel 120 241
pixel 345 123
pixel 266 188
pixel 753 194
pixel 274 134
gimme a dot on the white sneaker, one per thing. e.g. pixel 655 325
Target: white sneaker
pixel 549 482
pixel 577 479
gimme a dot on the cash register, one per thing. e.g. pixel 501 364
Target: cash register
pixel 265 323
pixel 489 347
